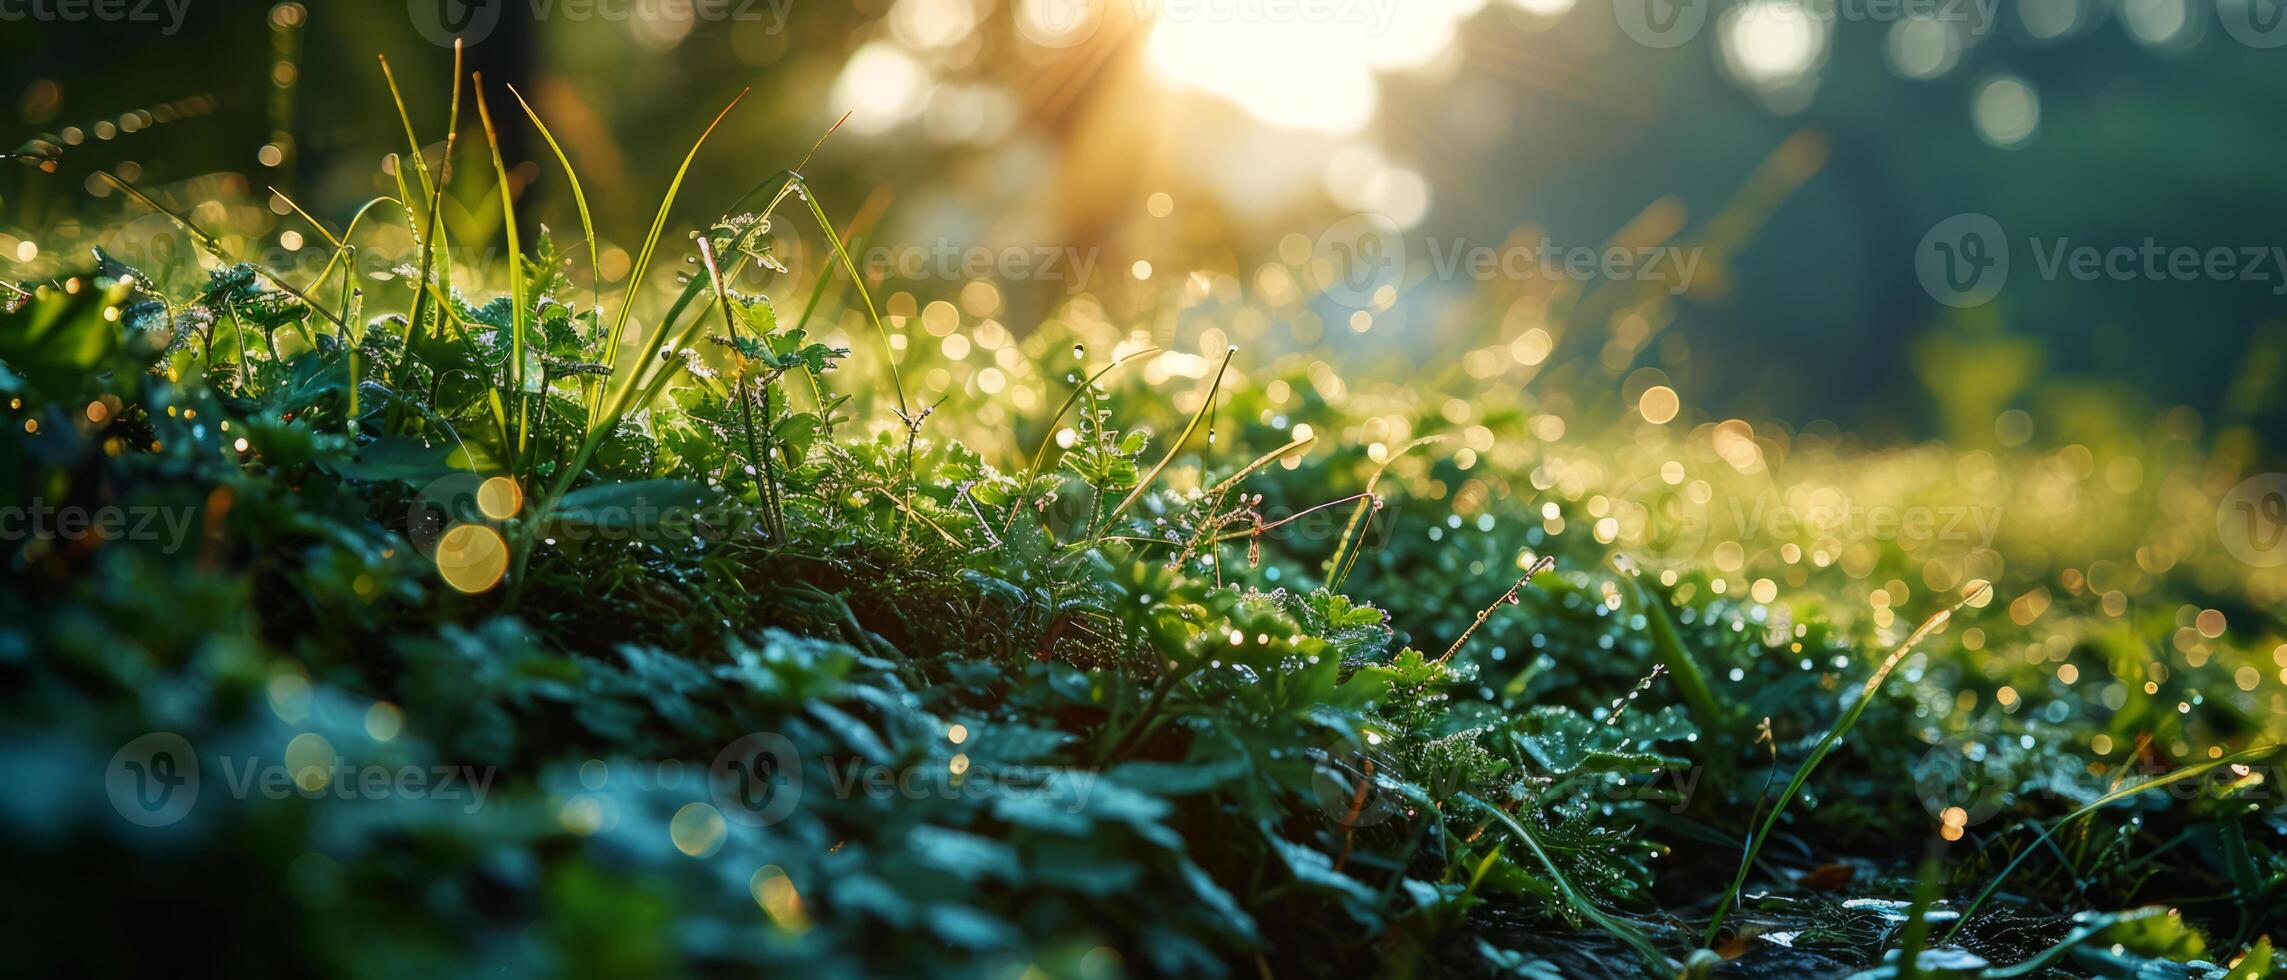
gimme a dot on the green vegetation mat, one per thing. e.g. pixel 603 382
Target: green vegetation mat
pixel 376 625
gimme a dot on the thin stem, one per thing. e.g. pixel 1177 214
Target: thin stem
pixel 1542 564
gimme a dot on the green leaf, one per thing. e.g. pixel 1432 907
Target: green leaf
pixel 2257 962
pixel 634 505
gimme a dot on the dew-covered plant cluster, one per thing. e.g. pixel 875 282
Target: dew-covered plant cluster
pixel 465 620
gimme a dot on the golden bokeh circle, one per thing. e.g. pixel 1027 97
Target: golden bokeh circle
pixel 472 557
pixel 499 498
pixel 1659 404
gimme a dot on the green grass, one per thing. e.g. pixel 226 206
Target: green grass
pixel 1126 718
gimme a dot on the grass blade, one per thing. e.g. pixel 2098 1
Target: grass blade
pixel 2117 795
pixel 1825 746
pixel 1345 552
pixel 1197 418
pixel 579 198
pixel 651 240
pixel 1655 962
pixel 1710 713
pixel 212 247
pixel 520 312
pixel 429 237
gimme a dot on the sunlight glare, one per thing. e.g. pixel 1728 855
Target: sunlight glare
pixel 882 86
pixel 1314 74
pixel 1771 42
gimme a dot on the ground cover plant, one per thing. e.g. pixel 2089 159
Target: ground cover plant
pixel 438 632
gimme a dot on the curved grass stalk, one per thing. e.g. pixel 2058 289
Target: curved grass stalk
pixel 1826 745
pixel 520 314
pixel 1040 454
pixel 587 228
pixel 214 248
pixel 340 243
pixel 2115 796
pixel 1345 552
pixel 651 240
pixel 896 377
pixel 1541 564
pixel 1198 417
pixel 579 197
pixel 1265 459
pixel 1656 963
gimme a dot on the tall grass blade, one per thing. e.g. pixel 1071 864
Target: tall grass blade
pixel 1826 745
pixel 1708 711
pixel 1198 418
pixel 1345 548
pixel 1656 963
pixel 521 312
pixel 651 240
pixel 2188 772
pixel 587 222
pixel 430 237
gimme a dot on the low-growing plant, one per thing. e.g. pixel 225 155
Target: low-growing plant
pixel 1026 719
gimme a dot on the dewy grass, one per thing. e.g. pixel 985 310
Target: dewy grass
pixel 520 312
pixel 2193 771
pixel 1174 446
pixel 1826 744
pixel 1185 739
